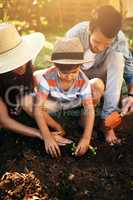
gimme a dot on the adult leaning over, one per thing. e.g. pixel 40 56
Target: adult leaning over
pixel 106 47
pixel 17 85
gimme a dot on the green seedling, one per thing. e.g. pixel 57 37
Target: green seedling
pixel 73 149
pixel 93 149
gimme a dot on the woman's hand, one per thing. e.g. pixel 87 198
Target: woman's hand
pixel 52 147
pixel 61 141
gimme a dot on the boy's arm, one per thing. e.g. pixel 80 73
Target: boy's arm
pixel 89 122
pixel 89 114
pixel 49 120
pixel 51 146
pixel 54 124
pixel 42 118
pixel 9 123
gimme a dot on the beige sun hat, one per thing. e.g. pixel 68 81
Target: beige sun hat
pixel 68 51
pixel 16 50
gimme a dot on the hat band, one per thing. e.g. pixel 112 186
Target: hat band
pixel 11 48
pixel 67 55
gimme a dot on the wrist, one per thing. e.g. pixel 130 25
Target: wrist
pixel 86 137
pixel 46 135
pixel 47 138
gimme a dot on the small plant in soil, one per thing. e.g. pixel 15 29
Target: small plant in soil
pixel 93 149
pixel 72 149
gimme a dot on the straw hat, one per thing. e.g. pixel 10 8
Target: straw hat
pixel 68 51
pixel 15 50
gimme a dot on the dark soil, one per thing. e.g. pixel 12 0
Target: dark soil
pixel 32 174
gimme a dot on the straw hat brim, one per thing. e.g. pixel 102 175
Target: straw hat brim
pixel 27 50
pixel 69 61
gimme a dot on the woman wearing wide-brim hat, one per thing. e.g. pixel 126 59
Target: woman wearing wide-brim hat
pixel 16 80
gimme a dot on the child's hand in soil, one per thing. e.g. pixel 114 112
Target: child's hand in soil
pixel 82 147
pixel 52 147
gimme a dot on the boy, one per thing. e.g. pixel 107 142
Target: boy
pixel 65 86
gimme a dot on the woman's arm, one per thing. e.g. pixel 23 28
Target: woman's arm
pixel 9 123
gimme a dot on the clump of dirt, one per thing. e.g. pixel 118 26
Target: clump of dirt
pixel 24 186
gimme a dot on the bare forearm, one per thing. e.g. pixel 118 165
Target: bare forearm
pixel 50 121
pixel 89 122
pixel 17 127
pixel 7 122
pixel 39 117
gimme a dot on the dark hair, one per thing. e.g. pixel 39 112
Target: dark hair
pixel 66 67
pixel 108 20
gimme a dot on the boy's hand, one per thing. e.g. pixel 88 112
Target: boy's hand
pixel 52 147
pixel 82 147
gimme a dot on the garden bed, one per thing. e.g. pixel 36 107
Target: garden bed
pixel 108 175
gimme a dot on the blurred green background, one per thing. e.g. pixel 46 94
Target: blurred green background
pixel 55 17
